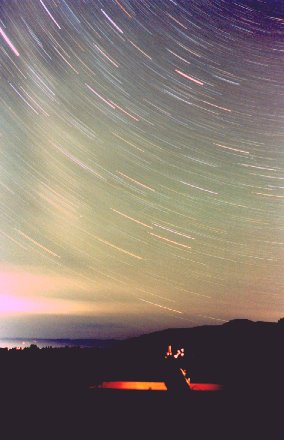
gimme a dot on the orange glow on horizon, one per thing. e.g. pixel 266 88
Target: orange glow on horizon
pixel 27 291
pixel 27 282
pixel 10 304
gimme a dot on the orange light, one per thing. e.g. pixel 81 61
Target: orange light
pixel 205 387
pixel 153 386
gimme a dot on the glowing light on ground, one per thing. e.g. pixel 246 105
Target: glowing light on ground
pixel 155 386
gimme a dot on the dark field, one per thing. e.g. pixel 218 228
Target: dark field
pixel 143 414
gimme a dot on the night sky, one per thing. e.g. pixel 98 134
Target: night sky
pixel 141 168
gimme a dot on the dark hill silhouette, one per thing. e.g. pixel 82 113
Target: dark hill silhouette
pixel 241 354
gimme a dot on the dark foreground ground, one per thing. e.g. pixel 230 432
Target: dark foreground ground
pixel 113 414
pixel 45 393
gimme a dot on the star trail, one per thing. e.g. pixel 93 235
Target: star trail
pixel 141 168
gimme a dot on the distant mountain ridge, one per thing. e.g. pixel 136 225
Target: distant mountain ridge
pixel 172 335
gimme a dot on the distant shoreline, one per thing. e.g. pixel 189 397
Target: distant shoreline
pixel 22 343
